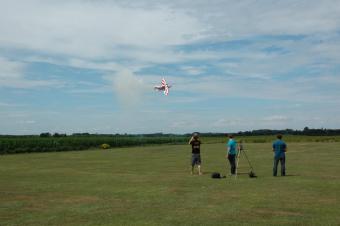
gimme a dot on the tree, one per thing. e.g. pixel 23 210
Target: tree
pixel 45 135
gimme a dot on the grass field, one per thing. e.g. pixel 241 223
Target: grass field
pixel 152 186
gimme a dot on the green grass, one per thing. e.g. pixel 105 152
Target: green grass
pixel 152 186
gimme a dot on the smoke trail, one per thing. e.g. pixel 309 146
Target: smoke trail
pixel 128 88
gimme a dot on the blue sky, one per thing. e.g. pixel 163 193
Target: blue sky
pixel 90 66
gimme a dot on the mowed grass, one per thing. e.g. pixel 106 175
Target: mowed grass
pixel 152 186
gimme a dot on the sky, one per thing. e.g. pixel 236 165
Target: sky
pixel 90 65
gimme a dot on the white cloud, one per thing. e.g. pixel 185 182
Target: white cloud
pixel 144 32
pixel 5 104
pixel 91 28
pixel 193 70
pixel 303 89
pixel 243 18
pixel 102 66
pixel 111 29
pixel 26 122
pixel 10 69
pixel 275 118
pixel 12 74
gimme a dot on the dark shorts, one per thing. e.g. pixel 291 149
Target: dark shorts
pixel 196 159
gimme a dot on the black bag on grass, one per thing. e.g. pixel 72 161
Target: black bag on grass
pixel 216 175
pixel 252 174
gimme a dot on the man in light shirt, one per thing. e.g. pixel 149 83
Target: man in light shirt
pixel 231 153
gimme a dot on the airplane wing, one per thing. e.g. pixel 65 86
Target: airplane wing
pixel 163 82
pixel 166 90
pixel 163 87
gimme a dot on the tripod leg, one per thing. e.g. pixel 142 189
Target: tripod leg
pixel 245 155
pixel 237 160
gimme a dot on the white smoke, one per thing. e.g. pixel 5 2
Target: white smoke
pixel 128 88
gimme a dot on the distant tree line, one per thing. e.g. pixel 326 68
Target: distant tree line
pixel 306 131
pixel 82 141
pixel 53 135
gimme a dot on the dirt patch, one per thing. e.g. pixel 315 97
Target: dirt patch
pixel 267 212
pixel 80 199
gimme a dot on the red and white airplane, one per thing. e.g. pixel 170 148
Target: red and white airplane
pixel 163 87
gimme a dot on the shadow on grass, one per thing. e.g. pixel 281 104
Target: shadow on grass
pixel 289 175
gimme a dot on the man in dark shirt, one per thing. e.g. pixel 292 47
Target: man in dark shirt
pixel 196 153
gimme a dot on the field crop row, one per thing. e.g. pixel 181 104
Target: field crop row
pixel 37 144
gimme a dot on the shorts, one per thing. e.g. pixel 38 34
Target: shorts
pixel 196 159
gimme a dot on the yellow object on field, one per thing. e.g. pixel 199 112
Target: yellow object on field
pixel 105 146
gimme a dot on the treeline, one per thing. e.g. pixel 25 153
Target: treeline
pixel 260 132
pixel 268 132
pixel 306 132
pixel 46 142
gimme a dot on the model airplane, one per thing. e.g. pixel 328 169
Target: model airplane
pixel 163 87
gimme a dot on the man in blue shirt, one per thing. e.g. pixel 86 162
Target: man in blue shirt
pixel 231 154
pixel 279 149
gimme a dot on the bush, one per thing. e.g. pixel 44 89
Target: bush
pixel 105 146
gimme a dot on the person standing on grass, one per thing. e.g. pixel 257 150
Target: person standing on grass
pixel 279 149
pixel 231 153
pixel 196 153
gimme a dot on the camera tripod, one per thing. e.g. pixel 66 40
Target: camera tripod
pixel 242 154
